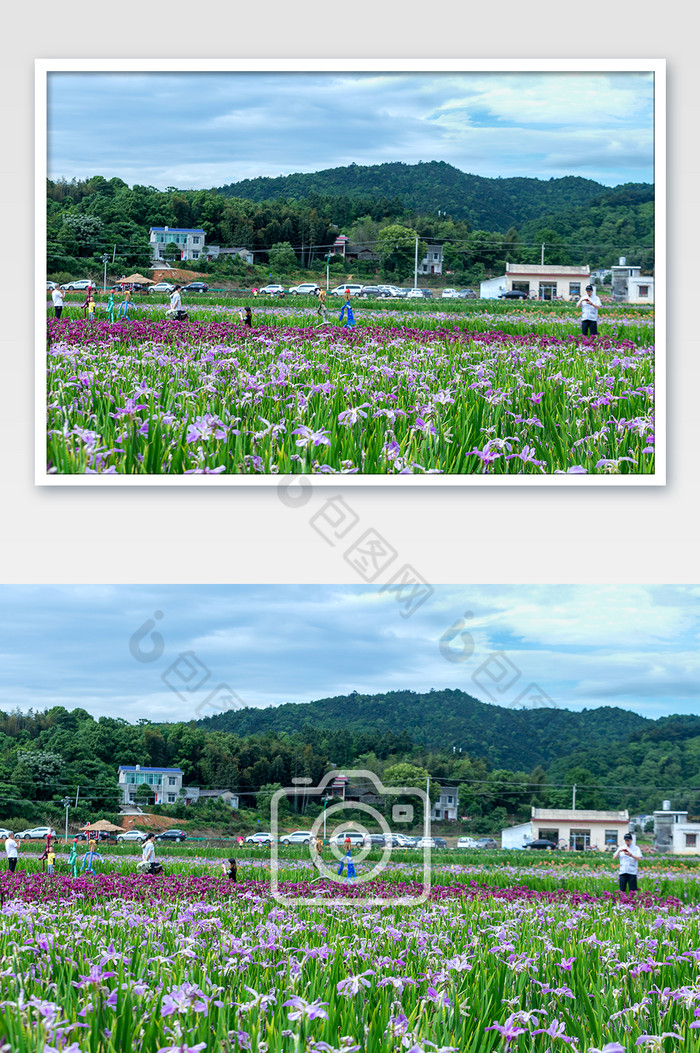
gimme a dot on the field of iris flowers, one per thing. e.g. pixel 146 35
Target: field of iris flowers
pixel 190 961
pixel 403 392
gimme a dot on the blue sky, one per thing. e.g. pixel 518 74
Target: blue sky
pixel 582 645
pixel 207 129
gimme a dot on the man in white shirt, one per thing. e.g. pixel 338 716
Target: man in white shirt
pixel 590 304
pixel 629 856
pixel 57 297
pixel 11 852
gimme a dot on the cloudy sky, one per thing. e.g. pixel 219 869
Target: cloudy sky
pixel 207 129
pixel 179 652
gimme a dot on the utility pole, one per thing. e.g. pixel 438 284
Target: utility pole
pixel 415 269
pixel 105 260
pixel 573 802
pixel 66 805
pixel 426 820
pixel 543 254
pixel 328 270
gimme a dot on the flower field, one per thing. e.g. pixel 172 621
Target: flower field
pixel 401 393
pixel 190 961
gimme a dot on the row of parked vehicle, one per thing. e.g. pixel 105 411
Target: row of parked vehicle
pixel 360 840
pixel 83 284
pixel 379 292
pixel 40 833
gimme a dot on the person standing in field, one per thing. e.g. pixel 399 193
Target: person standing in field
pixel 12 852
pixel 57 298
pixel 629 856
pixel 148 854
pixel 230 869
pixel 176 303
pixel 589 305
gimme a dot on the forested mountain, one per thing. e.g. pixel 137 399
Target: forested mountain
pixel 429 187
pixel 441 720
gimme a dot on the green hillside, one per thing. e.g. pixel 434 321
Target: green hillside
pixel 429 187
pixel 441 720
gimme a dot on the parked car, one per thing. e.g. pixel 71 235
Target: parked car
pixel 541 843
pixel 82 283
pixel 468 294
pixel 466 842
pixel 428 294
pixel 414 294
pixel 165 287
pixel 449 294
pixel 259 839
pixel 305 289
pixel 485 842
pixel 354 287
pixel 378 840
pixel 272 290
pixel 4 832
pixel 36 832
pixel 172 835
pixel 297 837
pixel 131 835
pixel 513 294
pixel 378 292
pixel 50 286
pixel 195 287
pixel 95 835
pixel 134 286
pixel 356 838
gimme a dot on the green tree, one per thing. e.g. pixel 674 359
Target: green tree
pixel 396 248
pixel 282 258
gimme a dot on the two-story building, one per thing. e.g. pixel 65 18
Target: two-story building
pixel 445 808
pixel 165 783
pixel 674 834
pixel 629 285
pixel 189 240
pixel 432 261
pixel 214 252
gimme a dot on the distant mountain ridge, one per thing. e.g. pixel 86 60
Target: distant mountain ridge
pixel 508 738
pixel 431 186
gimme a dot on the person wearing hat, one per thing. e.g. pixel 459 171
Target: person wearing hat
pixel 589 303
pixel 629 856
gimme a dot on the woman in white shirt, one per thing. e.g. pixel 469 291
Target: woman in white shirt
pixel 57 297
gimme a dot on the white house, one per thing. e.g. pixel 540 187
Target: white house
pixel 189 240
pixel 445 808
pixel 673 833
pixel 577 829
pixel 165 783
pixel 538 282
pixel 629 285
pixel 193 794
pixel 432 261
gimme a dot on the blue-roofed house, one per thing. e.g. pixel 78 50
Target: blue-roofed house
pixel 165 783
pixel 189 240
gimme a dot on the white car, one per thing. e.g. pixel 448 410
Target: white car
pixel 354 836
pixel 36 832
pixel 259 839
pixel 161 287
pixel 297 837
pixel 82 283
pixel 305 289
pixel 5 833
pixel 466 842
pixel 450 294
pixel 131 835
pixel 414 294
pixel 354 288
pixel 272 290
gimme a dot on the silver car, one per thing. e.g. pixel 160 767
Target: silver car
pixel 131 835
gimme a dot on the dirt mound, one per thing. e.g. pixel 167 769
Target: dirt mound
pixel 152 822
pixel 176 274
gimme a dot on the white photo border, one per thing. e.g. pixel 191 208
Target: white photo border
pixel 43 67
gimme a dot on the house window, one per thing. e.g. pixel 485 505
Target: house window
pixel 195 255
pixel 172 781
pixel 611 837
pixel 643 290
pixel 171 798
pixel 195 241
pixel 437 813
pixel 436 255
pixel 691 840
pixel 574 288
pixel 449 800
